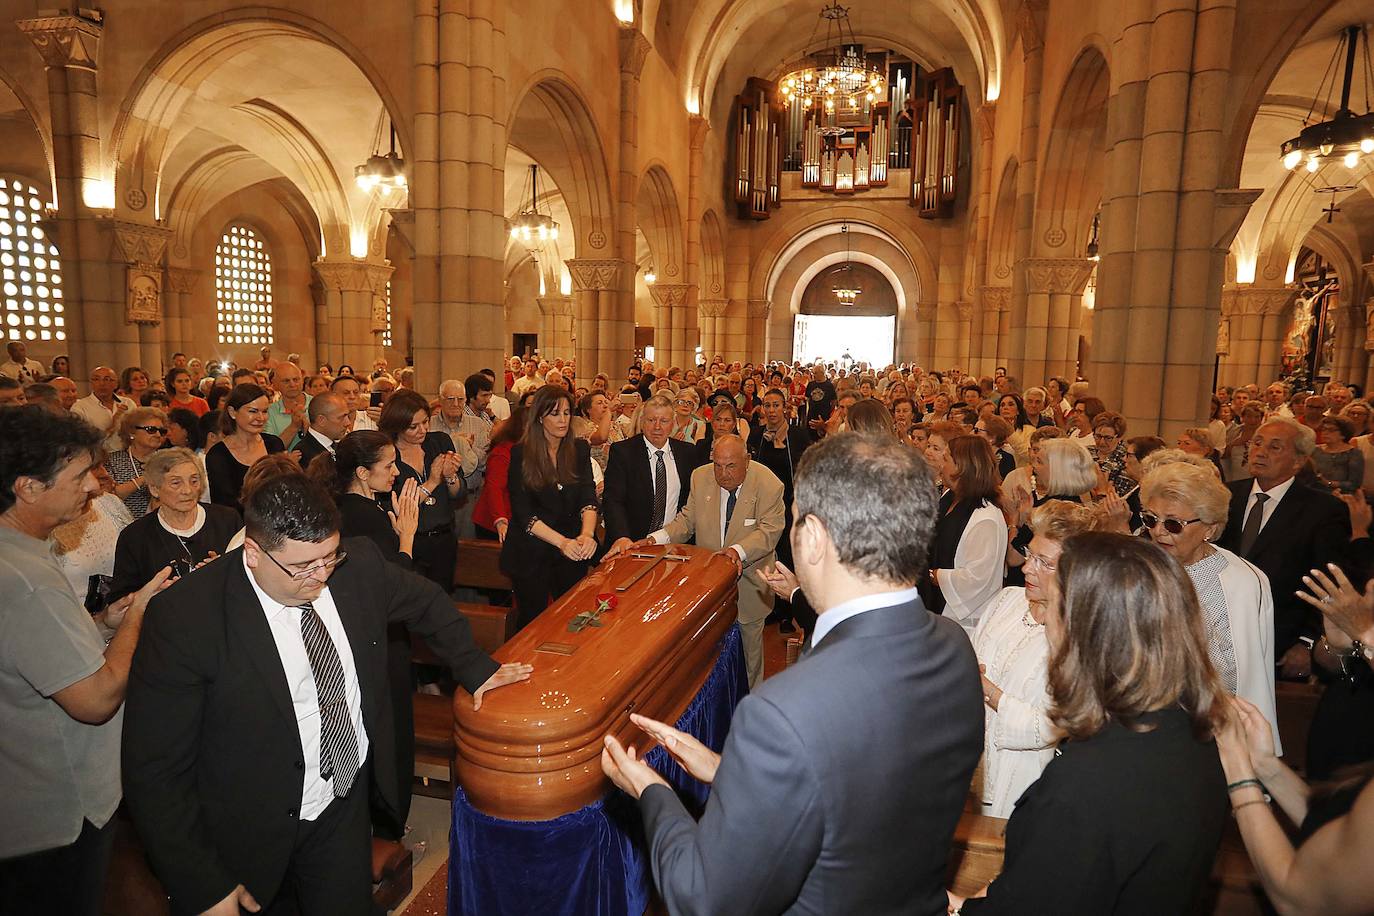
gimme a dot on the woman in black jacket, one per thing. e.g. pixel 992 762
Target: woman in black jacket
pixel 427 460
pixel 553 506
pixel 181 532
pixel 1127 818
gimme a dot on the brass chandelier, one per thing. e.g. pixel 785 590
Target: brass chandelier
pixel 530 226
pixel 1345 135
pixel 845 288
pixel 840 81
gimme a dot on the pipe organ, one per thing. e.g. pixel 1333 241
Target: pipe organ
pixel 757 149
pixel 936 137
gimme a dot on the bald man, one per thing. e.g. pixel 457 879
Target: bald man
pixel 102 408
pixel 67 394
pixel 736 507
pixel 330 420
pixel 286 417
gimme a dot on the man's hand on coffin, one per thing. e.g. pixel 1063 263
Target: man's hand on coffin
pixel 733 556
pixel 509 673
pixel 781 580
pixel 696 758
pixel 630 774
pixel 622 545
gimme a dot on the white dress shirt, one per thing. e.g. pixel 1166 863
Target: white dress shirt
pixel 674 481
pixel 285 623
pixel 1275 497
pixel 723 497
pixel 828 620
pixel 322 439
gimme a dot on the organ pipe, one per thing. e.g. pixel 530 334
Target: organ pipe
pixel 757 146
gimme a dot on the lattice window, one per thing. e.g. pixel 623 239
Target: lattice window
pixel 30 271
pixel 243 287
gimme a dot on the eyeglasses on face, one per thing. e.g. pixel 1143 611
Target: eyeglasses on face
pixel 1036 560
pixel 1171 525
pixel 327 566
pixel 153 430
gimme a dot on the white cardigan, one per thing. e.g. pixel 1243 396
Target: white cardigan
pixel 979 567
pixel 1250 611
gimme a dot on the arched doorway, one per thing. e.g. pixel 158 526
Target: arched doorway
pixel 864 331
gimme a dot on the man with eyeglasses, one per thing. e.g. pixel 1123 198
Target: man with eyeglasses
pixel 102 408
pixel 257 697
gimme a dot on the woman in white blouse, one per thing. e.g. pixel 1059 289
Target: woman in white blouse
pixel 1013 654
pixel 968 551
pixel 85 547
pixel 1184 508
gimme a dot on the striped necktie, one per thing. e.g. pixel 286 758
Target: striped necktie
pixel 338 742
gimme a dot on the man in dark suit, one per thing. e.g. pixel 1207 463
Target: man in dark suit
pixel 843 777
pixel 1286 529
pixel 638 468
pixel 330 420
pixel 257 692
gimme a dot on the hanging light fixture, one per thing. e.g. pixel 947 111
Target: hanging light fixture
pixel 1346 135
pixel 845 287
pixel 650 278
pixel 1093 247
pixel 382 173
pixel 840 82
pixel 530 226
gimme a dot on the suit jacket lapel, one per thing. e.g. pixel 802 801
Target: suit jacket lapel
pixel 1280 519
pixel 248 622
pixel 353 615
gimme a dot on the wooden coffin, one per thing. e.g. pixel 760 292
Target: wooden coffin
pixel 533 751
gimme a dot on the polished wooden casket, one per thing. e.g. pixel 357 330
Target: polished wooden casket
pixel 533 751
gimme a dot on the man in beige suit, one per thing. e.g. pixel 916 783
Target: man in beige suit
pixel 736 507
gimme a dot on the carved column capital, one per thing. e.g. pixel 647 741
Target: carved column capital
pixel 996 298
pixel 595 273
pixel 634 50
pixel 987 119
pixel 713 308
pixel 348 275
pixel 759 308
pixel 964 310
pixel 139 243
pixel 1244 299
pixel 182 279
pixel 555 306
pixel 698 127
pixel 64 41
pixel 1030 20
pixel 670 294
pixel 927 311
pixel 1058 275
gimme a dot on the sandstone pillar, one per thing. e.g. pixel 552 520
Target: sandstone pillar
pixel 1368 379
pixel 179 324
pixel 353 334
pixel 755 330
pixel 981 340
pixel 710 315
pixel 1030 19
pixel 596 283
pixel 690 332
pixel 616 333
pixel 1250 318
pixel 671 301
pixel 143 250
pixel 556 333
pixel 1054 303
pixel 996 312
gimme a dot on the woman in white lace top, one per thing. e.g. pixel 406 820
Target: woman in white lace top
pixel 86 547
pixel 1013 653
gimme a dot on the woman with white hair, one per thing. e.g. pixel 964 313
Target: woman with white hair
pixel 1061 469
pixel 1184 509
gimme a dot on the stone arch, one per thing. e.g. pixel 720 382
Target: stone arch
pixel 712 283
pixel 1002 236
pixel 551 123
pixel 660 220
pixel 18 113
pixel 200 95
pixel 1071 180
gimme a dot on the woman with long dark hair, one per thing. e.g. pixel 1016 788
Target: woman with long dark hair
pixel 428 459
pixel 967 554
pixel 551 539
pixel 242 443
pixel 1127 818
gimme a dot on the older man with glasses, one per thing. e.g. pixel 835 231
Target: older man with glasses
pixel 103 408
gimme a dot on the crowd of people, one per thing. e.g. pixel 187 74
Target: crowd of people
pixel 1117 610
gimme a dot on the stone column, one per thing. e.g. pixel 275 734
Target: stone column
pixel 1369 344
pixel 1030 19
pixel 352 289
pixel 178 333
pixel 595 286
pixel 422 230
pixel 143 250
pixel 964 339
pixel 710 315
pixel 616 334
pixel 1054 303
pixel 93 288
pixel 981 340
pixel 671 301
pixel 1250 316
pixel 556 334
pixel 685 348
pixel 995 309
pixel 755 330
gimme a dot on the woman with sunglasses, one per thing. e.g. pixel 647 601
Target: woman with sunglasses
pixel 1013 652
pixel 142 432
pixel 687 426
pixel 1184 510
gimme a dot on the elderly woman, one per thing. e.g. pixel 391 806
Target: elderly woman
pixel 1184 509
pixel 1128 816
pixel 142 432
pixel 967 552
pixel 595 423
pixel 1235 456
pixel 688 425
pixel 1023 478
pixel 1109 448
pixel 85 548
pixel 1337 461
pixel 183 533
pixel 1013 652
pixel 1197 440
pixel 1062 469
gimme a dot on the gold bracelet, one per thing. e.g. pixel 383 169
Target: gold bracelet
pixel 1256 801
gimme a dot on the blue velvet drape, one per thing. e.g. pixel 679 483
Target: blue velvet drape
pixel 592 862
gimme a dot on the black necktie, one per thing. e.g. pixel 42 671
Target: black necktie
pixel 338 742
pixel 1253 522
pixel 660 492
pixel 729 510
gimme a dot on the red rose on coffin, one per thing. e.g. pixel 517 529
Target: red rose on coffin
pixel 606 601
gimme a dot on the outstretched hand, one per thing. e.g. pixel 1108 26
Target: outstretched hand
pixel 1340 601
pixel 781 580
pixel 509 673
pixel 629 773
pixel 696 758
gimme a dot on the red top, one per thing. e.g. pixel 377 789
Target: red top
pixel 494 500
pixel 198 406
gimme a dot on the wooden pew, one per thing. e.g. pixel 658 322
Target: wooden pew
pixel 479 566
pixel 1296 703
pixel 434 745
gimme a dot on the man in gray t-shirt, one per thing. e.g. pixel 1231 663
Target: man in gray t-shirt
pixel 61 687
